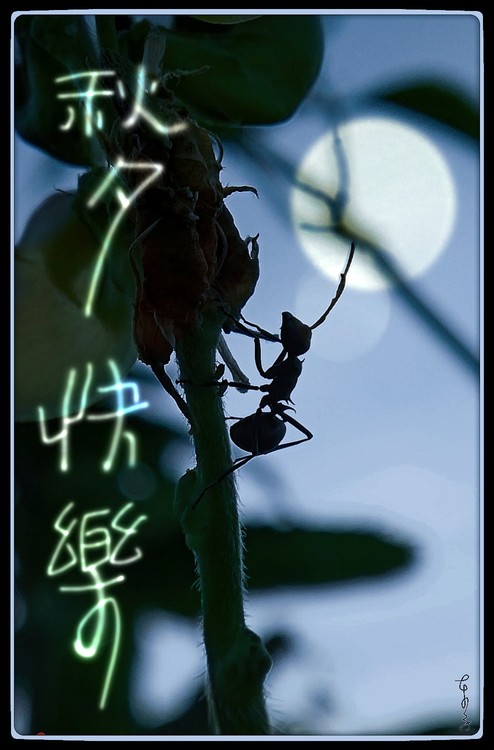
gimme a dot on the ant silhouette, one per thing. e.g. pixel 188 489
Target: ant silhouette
pixel 262 433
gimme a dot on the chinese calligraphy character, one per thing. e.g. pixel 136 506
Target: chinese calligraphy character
pixel 91 116
pixel 93 547
pixel 125 201
pixel 94 118
pixel 139 110
pixel 67 420
pixel 122 410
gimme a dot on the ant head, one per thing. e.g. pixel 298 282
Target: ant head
pixel 295 335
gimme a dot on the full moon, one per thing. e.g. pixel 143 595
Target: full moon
pixel 399 194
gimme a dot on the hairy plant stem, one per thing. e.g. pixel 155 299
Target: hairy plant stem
pixel 237 660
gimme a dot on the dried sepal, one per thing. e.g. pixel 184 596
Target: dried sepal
pixel 188 255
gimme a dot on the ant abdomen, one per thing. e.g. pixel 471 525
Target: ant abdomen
pixel 258 433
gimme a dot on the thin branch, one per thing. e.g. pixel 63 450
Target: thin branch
pixel 273 163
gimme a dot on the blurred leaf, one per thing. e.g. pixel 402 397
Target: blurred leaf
pixel 53 269
pixel 131 40
pixel 439 101
pixel 44 489
pixel 67 39
pixel 65 690
pixel 256 72
pixel 308 557
pixel 48 51
pixel 192 718
pixel 165 575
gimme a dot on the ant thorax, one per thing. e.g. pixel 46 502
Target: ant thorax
pixel 284 376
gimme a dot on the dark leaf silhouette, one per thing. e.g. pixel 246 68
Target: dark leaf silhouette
pixel 251 73
pixel 321 556
pixel 438 101
pixel 65 689
pixel 51 47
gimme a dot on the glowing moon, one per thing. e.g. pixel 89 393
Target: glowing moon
pixel 401 196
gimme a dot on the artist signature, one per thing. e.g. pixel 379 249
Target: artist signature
pixel 464 726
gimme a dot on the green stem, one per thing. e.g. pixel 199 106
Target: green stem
pixel 237 659
pixel 107 33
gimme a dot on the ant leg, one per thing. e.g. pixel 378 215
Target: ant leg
pixel 339 290
pixel 237 464
pixel 167 384
pixel 223 385
pixel 240 328
pixel 300 427
pixel 257 356
pixel 263 334
pixel 234 384
pixel 287 445
pixel 231 363
pixel 255 430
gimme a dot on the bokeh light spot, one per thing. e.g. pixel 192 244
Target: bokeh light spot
pixel 353 327
pixel 137 483
pixel 400 196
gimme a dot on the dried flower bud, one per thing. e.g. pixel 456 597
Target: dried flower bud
pixel 189 255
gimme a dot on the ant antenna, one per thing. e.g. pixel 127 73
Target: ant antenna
pixel 339 291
